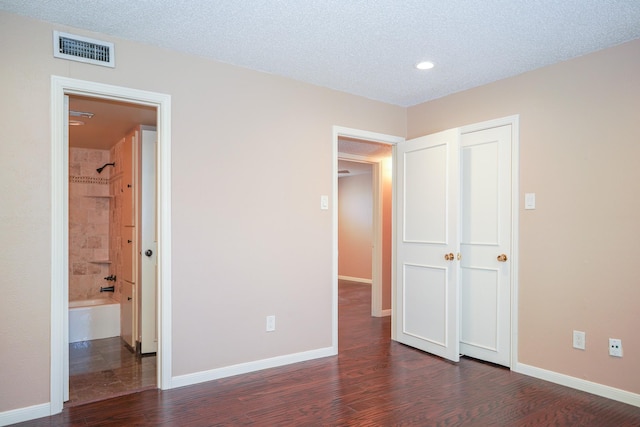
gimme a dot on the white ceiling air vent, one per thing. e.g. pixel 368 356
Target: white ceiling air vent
pixel 83 49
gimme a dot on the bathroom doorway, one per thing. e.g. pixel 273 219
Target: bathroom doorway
pixel 106 206
pixel 61 89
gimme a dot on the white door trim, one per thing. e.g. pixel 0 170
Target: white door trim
pixel 514 121
pixel 339 131
pixel 61 86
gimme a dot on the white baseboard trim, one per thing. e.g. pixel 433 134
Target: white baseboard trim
pixel 355 279
pixel 25 414
pixel 381 313
pixel 579 384
pixel 244 368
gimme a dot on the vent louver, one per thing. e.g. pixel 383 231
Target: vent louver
pixel 83 49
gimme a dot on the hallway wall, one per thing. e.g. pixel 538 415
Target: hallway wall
pixel 355 226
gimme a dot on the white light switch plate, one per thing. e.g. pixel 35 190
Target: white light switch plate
pixel 530 200
pixel 324 202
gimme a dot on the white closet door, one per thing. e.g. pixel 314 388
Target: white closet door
pixel 485 244
pixel 426 243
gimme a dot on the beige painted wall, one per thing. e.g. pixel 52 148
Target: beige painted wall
pixel 355 225
pixel 251 155
pixel 580 154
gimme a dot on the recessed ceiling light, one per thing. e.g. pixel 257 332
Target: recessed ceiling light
pixel 424 65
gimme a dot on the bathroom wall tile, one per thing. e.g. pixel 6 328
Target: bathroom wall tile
pixel 83 287
pixel 88 223
pixel 75 253
pixel 94 242
pixel 100 216
pixel 82 243
pixel 76 215
pixel 78 154
pixel 80 190
pixel 74 168
pixel 94 269
pixel 102 229
pixel 103 253
pixel 102 205
pixel 79 268
pixel 95 157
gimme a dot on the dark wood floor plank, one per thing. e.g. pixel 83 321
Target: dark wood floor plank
pixel 373 382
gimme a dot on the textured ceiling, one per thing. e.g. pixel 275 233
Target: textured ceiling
pixel 363 47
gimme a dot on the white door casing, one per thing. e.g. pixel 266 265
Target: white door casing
pixel 427 184
pixel 485 285
pixel 65 278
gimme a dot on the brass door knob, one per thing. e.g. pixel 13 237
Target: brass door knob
pixel 502 257
pixel 449 257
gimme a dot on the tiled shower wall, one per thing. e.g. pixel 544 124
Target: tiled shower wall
pixel 89 204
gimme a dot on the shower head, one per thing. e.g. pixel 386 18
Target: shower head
pixel 104 166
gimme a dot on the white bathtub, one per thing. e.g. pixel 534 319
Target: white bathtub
pixel 93 319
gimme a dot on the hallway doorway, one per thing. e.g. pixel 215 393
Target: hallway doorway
pixel 375 150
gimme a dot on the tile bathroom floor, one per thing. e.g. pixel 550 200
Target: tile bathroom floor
pixel 100 369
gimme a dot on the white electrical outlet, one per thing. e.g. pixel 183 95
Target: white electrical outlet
pixel 579 340
pixel 615 347
pixel 271 323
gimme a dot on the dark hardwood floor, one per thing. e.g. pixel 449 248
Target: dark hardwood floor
pixel 372 382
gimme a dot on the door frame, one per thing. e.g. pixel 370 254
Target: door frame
pixel 61 86
pixel 376 286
